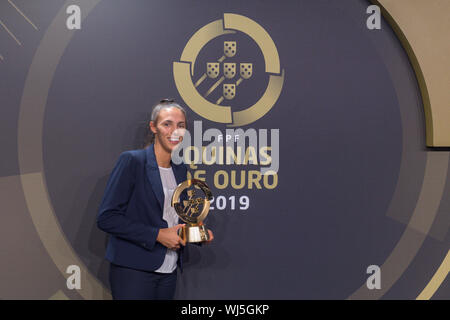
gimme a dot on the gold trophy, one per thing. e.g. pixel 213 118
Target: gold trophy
pixel 192 210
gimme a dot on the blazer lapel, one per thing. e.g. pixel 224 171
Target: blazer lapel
pixel 179 172
pixel 153 176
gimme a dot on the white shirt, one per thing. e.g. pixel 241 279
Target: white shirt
pixel 169 185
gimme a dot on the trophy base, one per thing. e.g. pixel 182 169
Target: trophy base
pixel 194 233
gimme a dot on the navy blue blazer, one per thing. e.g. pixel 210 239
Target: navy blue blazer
pixel 131 211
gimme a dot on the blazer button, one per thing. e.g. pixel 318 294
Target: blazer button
pixel 144 244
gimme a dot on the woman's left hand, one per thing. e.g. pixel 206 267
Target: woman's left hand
pixel 211 237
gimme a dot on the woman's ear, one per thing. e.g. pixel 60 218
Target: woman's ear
pixel 152 126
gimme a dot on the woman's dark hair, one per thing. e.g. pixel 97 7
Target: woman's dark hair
pixel 162 104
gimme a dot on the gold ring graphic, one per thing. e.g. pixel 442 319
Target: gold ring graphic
pixel 183 71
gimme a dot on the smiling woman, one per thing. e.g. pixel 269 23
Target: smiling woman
pixel 168 124
pixel 144 246
pixel 165 104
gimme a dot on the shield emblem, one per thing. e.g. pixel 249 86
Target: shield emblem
pixel 229 91
pixel 229 48
pixel 245 69
pixel 229 69
pixel 212 69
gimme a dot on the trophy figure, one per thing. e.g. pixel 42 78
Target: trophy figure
pixel 192 210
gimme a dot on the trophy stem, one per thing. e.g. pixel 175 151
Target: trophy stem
pixel 194 233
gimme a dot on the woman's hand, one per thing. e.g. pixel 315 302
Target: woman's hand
pixel 169 237
pixel 211 237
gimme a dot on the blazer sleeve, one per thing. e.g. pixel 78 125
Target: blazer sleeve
pixel 112 217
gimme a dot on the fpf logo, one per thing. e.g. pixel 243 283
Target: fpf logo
pixel 183 72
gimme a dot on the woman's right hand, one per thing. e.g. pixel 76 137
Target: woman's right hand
pixel 169 237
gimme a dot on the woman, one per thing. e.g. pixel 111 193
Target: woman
pixel 144 248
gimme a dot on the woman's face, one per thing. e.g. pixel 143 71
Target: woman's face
pixel 169 128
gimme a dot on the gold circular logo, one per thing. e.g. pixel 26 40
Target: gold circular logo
pixel 183 71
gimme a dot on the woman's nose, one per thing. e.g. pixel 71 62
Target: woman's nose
pixel 179 132
pixel 172 129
